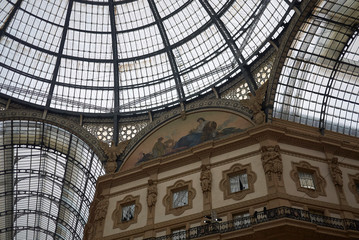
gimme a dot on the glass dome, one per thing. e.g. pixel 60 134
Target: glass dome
pixel 119 57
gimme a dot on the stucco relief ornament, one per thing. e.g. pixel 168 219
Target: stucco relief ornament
pixel 112 152
pixel 254 103
pixel 151 193
pixel 272 161
pixel 336 173
pixel 94 228
pixel 206 179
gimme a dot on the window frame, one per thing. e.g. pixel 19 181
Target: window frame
pixel 237 169
pixel 319 181
pixel 168 199
pixel 117 215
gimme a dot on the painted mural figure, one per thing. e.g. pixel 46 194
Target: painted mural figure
pixel 204 131
pixel 159 148
pixel 174 139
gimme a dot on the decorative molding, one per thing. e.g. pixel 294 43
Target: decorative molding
pixel 95 225
pixel 319 181
pixel 168 199
pixel 151 194
pixel 208 104
pixel 117 213
pixel 272 162
pixel 353 182
pixel 206 180
pixel 336 173
pixel 237 169
pixel 112 152
pixel 70 126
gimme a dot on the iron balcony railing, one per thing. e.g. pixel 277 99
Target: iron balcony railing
pixel 261 217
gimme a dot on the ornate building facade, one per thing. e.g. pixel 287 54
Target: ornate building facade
pixel 156 119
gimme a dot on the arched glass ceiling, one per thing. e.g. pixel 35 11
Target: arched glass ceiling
pixel 127 56
pixel 47 181
pixel 319 83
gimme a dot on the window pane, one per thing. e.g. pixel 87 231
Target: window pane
pixel 238 182
pixel 180 198
pixel 306 180
pixel 128 212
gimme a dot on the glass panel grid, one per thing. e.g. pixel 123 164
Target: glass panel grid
pixel 47 190
pixel 184 23
pixel 318 76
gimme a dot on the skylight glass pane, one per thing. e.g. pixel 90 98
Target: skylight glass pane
pixel 319 82
pixel 185 22
pixel 132 15
pixel 47 189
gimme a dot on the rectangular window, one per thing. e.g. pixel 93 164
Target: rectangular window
pixel 241 220
pixel 306 180
pixel 238 182
pixel 180 198
pixel 128 212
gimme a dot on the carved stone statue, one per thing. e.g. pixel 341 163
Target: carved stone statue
pixel 272 161
pixel 254 103
pixel 112 152
pixel 336 173
pixel 206 179
pixel 151 193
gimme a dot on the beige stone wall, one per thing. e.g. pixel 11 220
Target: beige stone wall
pixel 245 150
pixel 141 219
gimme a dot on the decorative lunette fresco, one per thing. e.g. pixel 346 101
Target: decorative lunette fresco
pixel 178 135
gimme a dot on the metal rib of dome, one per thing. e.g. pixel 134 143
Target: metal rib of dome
pixel 118 57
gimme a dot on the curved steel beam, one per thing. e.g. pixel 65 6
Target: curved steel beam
pixel 59 54
pixel 10 17
pixel 116 74
pixel 328 88
pixel 171 57
pixel 232 46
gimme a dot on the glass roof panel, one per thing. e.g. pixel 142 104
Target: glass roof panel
pixel 5 11
pixel 184 23
pixel 49 179
pixel 319 82
pixel 69 55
